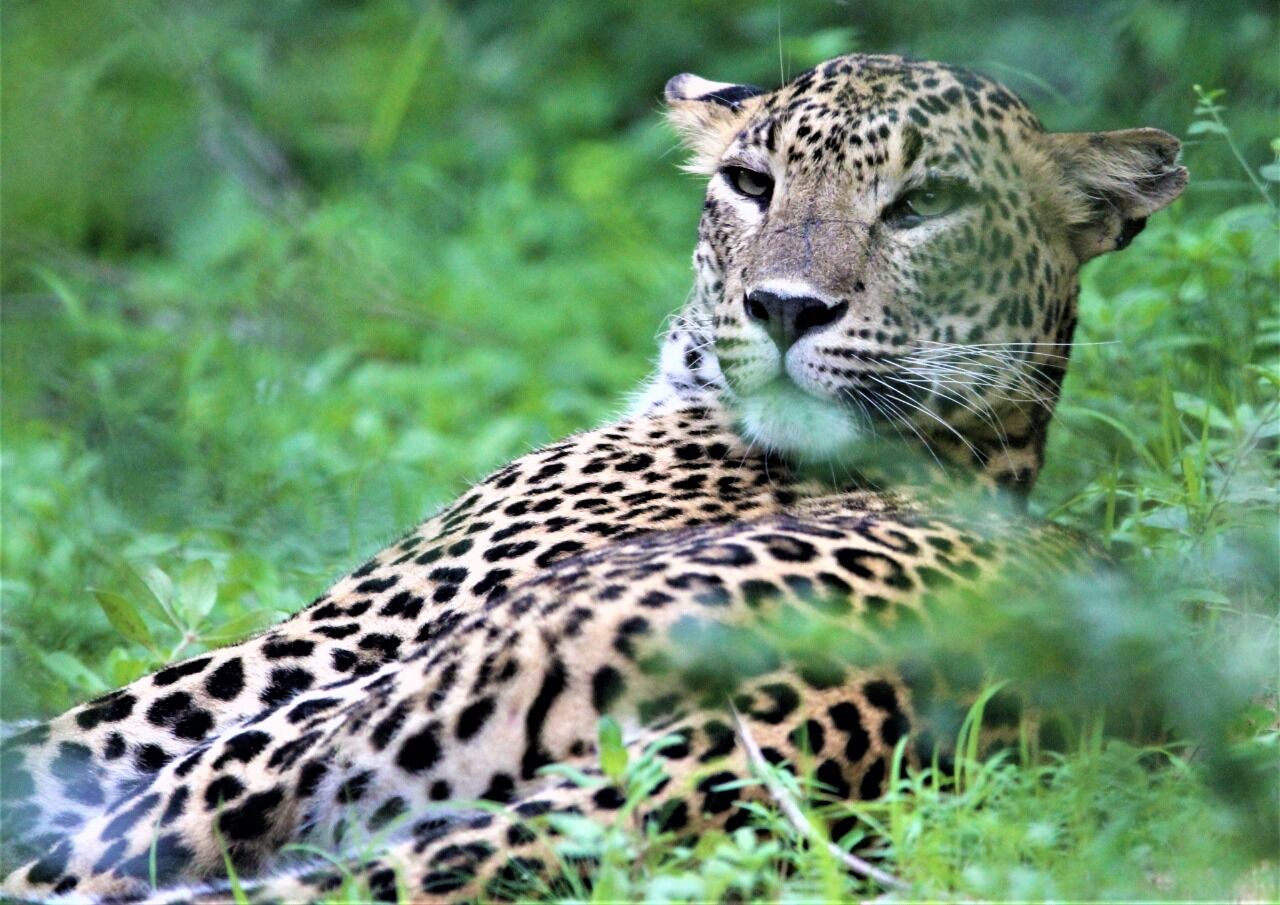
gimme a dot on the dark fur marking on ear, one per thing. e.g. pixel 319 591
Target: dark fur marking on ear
pixel 1129 229
pixel 733 96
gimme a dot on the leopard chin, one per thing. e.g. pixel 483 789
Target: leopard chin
pixel 799 426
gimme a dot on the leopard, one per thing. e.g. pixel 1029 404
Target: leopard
pixel 847 415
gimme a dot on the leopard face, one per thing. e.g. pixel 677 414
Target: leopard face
pixel 891 248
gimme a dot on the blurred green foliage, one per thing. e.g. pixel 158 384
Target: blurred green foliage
pixel 281 277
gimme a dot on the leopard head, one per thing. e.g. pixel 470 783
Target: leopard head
pixel 891 248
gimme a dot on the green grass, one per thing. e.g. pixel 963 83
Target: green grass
pixel 1109 822
pixel 278 280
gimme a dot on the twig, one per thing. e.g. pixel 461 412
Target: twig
pixel 792 811
pixel 1208 106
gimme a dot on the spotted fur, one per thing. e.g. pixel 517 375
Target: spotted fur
pixel 846 369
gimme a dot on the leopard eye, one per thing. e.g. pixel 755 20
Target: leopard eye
pixel 929 202
pixel 751 183
pixel 933 199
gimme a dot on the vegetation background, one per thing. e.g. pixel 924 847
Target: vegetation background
pixel 280 278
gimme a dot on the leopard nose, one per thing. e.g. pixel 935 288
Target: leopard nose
pixel 787 318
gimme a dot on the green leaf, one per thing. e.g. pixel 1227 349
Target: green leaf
pixel 149 546
pixel 74 673
pixel 128 582
pixel 198 591
pixel 237 888
pixel 1167 518
pixel 1068 412
pixel 613 754
pixel 1201 126
pixel 63 292
pixel 1269 373
pixel 121 667
pixel 1270 172
pixel 393 103
pixel 1195 407
pixel 573 774
pixel 236 629
pixel 161 587
pixel 1200 595
pixel 123 616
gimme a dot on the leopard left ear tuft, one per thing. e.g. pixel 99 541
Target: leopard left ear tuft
pixel 1115 180
pixel 708 115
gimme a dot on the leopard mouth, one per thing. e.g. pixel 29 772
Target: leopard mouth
pixel 796 409
pixel 879 394
pixel 786 419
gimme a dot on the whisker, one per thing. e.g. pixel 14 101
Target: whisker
pixel 894 416
pixel 1009 373
pixel 986 414
pixel 1072 344
pixel 1004 352
pixel 903 398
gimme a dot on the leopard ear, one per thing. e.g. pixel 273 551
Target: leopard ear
pixel 1115 180
pixel 708 115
